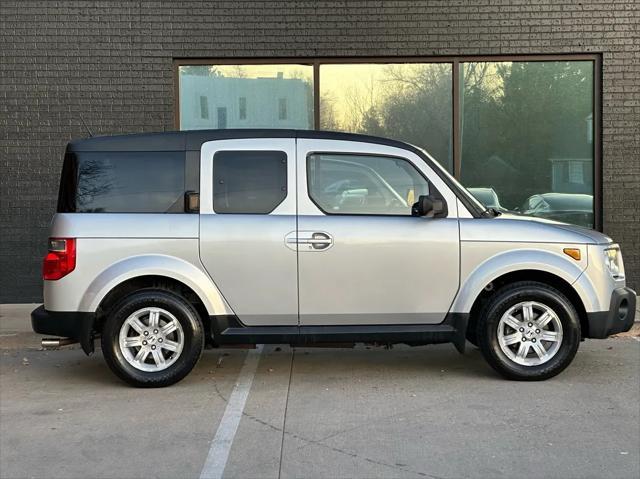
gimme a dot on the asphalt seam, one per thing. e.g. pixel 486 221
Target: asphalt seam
pixel 286 406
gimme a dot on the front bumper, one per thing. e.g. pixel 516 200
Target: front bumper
pixel 76 325
pixel 619 318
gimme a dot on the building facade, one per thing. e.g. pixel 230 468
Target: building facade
pixel 537 100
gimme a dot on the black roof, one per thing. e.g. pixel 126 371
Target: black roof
pixel 193 139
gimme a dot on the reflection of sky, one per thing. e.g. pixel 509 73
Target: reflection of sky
pixel 131 182
pixel 367 84
pixel 302 72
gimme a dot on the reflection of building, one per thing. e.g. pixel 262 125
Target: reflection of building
pixel 572 175
pixel 589 121
pixel 218 101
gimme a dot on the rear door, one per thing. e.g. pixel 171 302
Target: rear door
pixel 363 259
pixel 247 209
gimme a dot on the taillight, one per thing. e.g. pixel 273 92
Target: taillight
pixel 61 258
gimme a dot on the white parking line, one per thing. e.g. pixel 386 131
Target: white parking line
pixel 222 441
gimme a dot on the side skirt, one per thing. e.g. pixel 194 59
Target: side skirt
pixel 229 330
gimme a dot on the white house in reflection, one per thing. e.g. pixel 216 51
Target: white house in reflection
pixel 223 102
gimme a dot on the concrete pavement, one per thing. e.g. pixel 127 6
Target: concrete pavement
pixel 321 412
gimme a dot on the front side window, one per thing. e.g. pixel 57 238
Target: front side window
pixel 363 185
pixel 249 182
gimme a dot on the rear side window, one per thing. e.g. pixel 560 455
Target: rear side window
pixel 122 182
pixel 249 182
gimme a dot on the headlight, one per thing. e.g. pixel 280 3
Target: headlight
pixel 613 261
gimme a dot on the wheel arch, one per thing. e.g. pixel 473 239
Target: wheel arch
pixel 154 270
pixel 541 276
pixel 549 267
pixel 138 283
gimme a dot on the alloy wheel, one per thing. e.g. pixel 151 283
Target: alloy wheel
pixel 151 339
pixel 530 333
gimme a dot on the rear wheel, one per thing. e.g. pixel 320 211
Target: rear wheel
pixel 152 338
pixel 528 331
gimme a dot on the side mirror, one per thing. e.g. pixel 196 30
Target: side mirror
pixel 430 206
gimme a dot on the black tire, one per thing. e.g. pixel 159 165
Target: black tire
pixel 505 298
pixel 192 329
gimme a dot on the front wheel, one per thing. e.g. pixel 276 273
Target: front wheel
pixel 152 338
pixel 528 331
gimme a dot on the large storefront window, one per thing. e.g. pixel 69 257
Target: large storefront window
pixel 527 134
pixel 520 134
pixel 246 96
pixel 411 102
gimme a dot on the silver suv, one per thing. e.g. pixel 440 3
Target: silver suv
pixel 164 243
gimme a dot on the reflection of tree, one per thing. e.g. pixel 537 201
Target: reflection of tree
pixel 406 102
pixel 516 116
pixel 299 74
pixel 201 70
pixel 237 72
pixel 328 115
pixel 361 115
pixel 93 180
pixel 420 111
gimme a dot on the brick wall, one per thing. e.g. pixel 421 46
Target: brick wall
pixel 111 61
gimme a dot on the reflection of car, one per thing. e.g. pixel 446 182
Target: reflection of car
pixel 306 237
pixel 488 197
pixel 566 207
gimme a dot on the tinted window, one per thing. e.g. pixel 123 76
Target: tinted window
pixel 251 96
pixel 357 184
pixel 405 101
pixel 122 182
pixel 249 181
pixel 523 128
pixel 527 132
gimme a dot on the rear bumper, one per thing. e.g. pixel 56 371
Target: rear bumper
pixel 619 318
pixel 76 325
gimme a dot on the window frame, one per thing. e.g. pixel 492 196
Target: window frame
pixel 455 61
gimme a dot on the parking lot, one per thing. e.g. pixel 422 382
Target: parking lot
pixel 317 412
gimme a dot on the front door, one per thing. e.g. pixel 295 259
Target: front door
pixel 247 209
pixel 362 257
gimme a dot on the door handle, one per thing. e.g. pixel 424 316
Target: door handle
pixel 309 240
pixel 314 241
pixel 318 241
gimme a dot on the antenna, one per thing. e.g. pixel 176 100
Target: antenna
pixel 85 125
